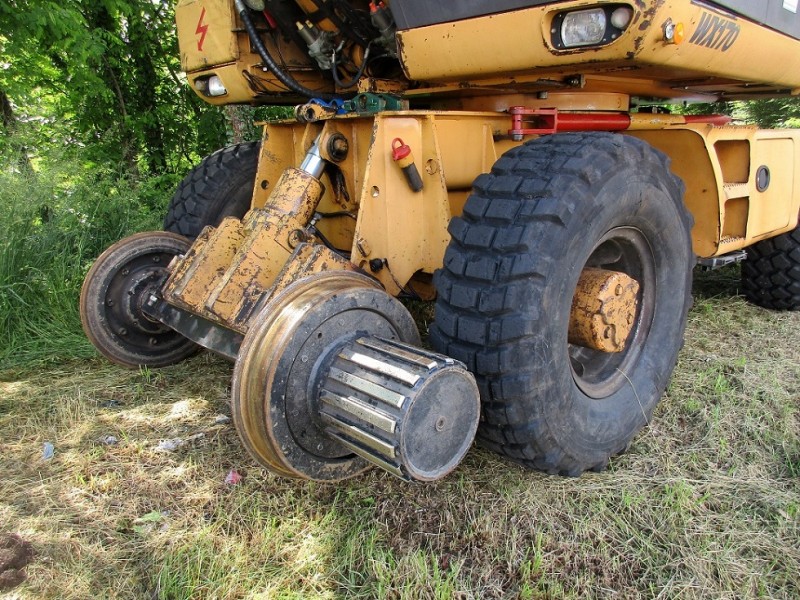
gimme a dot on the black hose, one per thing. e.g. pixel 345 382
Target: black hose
pixel 286 79
pixel 356 77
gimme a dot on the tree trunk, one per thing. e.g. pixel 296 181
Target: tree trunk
pixel 240 123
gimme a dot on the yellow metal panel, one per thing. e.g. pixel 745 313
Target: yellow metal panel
pixel 406 229
pixel 251 272
pixel 719 167
pixel 467 148
pixel 692 162
pixel 209 257
pixel 306 260
pixel 205 33
pixel 517 44
pixel 777 206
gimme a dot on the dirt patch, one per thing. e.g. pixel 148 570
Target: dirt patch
pixel 15 554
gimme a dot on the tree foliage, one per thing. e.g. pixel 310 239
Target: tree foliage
pixel 774 112
pixel 103 76
pixel 770 113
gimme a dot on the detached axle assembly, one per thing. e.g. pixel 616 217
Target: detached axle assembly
pixel 329 376
pixel 328 381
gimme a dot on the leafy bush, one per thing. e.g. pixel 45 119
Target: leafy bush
pixel 56 222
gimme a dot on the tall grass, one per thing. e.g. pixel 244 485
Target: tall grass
pixel 55 221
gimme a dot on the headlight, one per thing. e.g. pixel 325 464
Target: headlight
pixel 210 86
pixel 215 86
pixel 590 27
pixel 583 27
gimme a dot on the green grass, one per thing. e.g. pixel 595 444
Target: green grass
pixel 705 504
pixel 55 223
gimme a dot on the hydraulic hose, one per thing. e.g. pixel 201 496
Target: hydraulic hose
pixel 286 79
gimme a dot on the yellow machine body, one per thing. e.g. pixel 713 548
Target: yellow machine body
pixel 732 56
pixel 380 218
pixel 474 68
pixel 718 53
pixel 425 160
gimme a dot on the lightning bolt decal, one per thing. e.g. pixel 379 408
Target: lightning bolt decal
pixel 201 30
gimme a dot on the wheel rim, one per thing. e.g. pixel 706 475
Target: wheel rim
pixel 113 295
pixel 270 390
pixel 600 374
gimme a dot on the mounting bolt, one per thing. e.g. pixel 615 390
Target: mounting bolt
pixel 337 147
pixel 376 264
pixel 364 247
pixel 296 236
pixel 576 81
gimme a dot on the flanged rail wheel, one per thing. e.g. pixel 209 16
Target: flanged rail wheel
pixel 277 361
pixel 112 296
pixel 550 211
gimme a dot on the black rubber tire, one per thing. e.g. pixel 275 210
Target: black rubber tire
pixel 506 288
pixel 220 186
pixel 771 272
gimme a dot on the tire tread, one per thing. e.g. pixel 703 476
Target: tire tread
pixel 514 213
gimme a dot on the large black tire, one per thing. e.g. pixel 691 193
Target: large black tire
pixel 771 272
pixel 220 186
pixel 549 208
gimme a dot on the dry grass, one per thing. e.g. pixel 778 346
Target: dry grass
pixel 706 503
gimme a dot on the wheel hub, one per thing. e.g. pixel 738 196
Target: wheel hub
pixel 327 382
pixel 622 257
pixel 603 310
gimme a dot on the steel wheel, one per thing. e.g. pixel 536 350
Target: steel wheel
pixel 277 361
pixel 113 293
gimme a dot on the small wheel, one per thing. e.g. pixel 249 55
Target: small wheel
pixel 550 209
pixel 220 186
pixel 276 364
pixel 771 272
pixel 113 293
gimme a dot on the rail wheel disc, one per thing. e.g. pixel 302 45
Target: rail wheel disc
pixel 112 296
pixel 277 363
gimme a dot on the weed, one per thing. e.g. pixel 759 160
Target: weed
pixel 55 224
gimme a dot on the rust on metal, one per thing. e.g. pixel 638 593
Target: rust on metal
pixel 603 310
pixel 230 268
pixel 306 260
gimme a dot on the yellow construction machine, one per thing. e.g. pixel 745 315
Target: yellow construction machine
pixel 509 159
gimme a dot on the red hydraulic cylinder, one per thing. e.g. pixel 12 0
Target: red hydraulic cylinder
pixel 542 121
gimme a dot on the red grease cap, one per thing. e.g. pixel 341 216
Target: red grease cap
pixel 399 149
